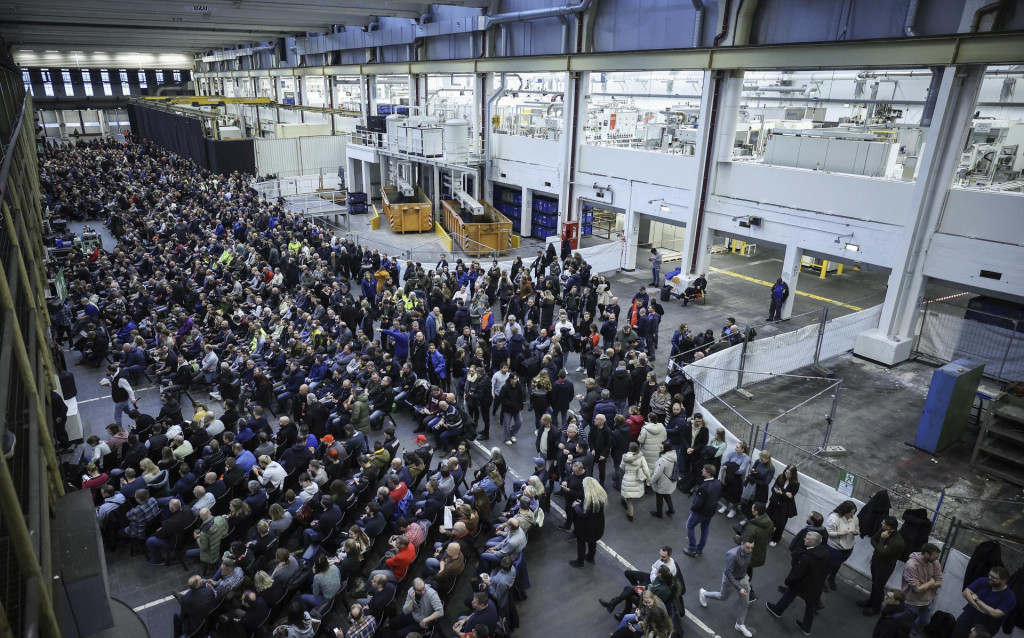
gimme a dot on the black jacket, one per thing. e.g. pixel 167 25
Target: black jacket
pixel 600 440
pixel 986 556
pixel 196 605
pixel 915 530
pixel 175 524
pixel 871 515
pixel 589 526
pixel 807 575
pixel 705 501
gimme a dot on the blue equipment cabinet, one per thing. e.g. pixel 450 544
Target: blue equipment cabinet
pixel 949 402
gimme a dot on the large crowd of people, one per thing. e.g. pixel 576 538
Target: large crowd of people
pixel 296 350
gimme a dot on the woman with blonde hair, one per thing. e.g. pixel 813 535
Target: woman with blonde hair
pixel 588 521
pixel 149 470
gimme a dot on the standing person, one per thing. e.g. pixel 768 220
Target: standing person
pixel 843 528
pixel 781 503
pixel 540 400
pixel 755 486
pixel 511 399
pixel 759 529
pixel 734 470
pixel 621 437
pixel 780 292
pixel 655 260
pixel 663 479
pixel 600 440
pixel 988 602
pixel 701 511
pixel 888 547
pixel 806 580
pixel 922 578
pixel 734 577
pixel 635 473
pixel 588 521
pixel 121 392
pixel 652 436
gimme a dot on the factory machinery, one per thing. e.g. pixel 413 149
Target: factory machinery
pixel 622 124
pixel 993 158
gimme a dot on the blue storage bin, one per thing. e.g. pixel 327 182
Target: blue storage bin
pixel 587 230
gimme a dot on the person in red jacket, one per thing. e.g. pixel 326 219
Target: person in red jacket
pixel 635 421
pixel 93 480
pixel 398 564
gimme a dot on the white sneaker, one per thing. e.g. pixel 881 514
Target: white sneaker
pixel 509 442
pixel 731 514
pixel 580 369
pixel 743 630
pixel 721 510
pixel 513 439
pixel 772 544
pixel 703 597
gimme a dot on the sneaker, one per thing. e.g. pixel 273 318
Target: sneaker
pixel 513 439
pixel 743 630
pixel 580 369
pixel 692 553
pixel 508 442
pixel 806 630
pixel 772 610
pixel 721 510
pixel 731 514
pixel 743 521
pixel 772 544
pixel 703 597
pixel 751 597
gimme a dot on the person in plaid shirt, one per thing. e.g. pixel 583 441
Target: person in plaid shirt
pixel 140 515
pixel 361 624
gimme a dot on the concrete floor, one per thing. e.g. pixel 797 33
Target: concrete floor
pixel 738 288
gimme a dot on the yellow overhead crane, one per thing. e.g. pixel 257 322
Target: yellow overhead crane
pixel 208 100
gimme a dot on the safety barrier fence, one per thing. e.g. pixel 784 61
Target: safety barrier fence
pixel 950 330
pixel 823 482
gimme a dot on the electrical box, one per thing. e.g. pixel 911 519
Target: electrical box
pixel 949 403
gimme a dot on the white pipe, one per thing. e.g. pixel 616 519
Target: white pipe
pixel 536 14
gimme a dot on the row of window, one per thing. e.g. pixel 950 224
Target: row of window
pixel 69 88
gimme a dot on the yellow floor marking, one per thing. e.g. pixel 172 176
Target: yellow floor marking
pixel 762 282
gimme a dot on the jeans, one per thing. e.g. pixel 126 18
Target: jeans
pixel 376 417
pixel 692 522
pixel 311 601
pixel 156 547
pixel 839 557
pixel 922 614
pixel 490 560
pixel 655 272
pixel 788 598
pixel 511 422
pixel 775 310
pixel 559 418
pixel 119 409
pixel 726 591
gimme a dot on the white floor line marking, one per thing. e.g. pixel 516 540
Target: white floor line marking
pixel 752 263
pixel 154 603
pixel 149 387
pixel 619 558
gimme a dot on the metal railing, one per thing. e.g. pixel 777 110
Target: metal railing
pixel 948 331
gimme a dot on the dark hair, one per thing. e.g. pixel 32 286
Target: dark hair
pixel 890 521
pixel 844 508
pixel 929 548
pixel 758 508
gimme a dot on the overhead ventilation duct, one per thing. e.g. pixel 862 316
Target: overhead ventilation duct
pixel 911 19
pixel 698 22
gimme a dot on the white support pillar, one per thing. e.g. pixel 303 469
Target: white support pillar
pixel 700 244
pixel 566 176
pixel 790 274
pixel 352 177
pixel 367 180
pixel 526 213
pixel 892 341
pixel 631 235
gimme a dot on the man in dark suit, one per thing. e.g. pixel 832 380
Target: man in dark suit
pixel 196 604
pixel 214 486
pixel 806 580
pixel 248 618
pixel 186 483
pixel 327 521
pixel 179 520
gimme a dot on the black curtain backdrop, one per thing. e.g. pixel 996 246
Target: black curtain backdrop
pixel 177 133
pixel 186 136
pixel 228 156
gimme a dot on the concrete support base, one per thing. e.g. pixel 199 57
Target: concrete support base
pixel 875 345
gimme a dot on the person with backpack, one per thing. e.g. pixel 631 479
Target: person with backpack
pixel 780 293
pixel 664 478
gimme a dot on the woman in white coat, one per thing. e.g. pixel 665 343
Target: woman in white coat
pixel 662 480
pixel 635 473
pixel 652 435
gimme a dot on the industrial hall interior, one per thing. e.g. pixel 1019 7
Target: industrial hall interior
pixel 284 285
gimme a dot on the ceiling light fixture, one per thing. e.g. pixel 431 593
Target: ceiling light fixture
pixel 851 247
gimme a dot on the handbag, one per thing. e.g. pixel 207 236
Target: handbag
pixel 749 490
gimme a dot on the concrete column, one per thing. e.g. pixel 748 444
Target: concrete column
pixel 631 232
pixel 699 244
pixel 353 177
pixel 367 180
pixel 568 124
pixel 526 217
pixel 790 274
pixel 892 341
